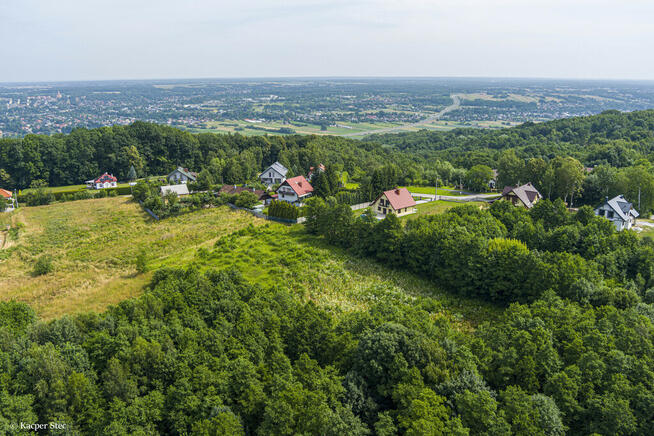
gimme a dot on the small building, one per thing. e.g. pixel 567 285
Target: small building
pixel 492 183
pixel 180 189
pixel 275 174
pixel 233 189
pixel 8 198
pixel 619 211
pixel 397 201
pixel 295 190
pixel 104 181
pixel 313 171
pixel 525 195
pixel 181 175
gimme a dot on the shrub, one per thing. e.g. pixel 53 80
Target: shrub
pixel 43 265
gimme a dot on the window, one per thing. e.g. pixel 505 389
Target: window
pixel 384 211
pixel 379 208
pixel 610 214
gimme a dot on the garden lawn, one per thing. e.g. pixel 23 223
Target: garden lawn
pixel 93 244
pixel 440 206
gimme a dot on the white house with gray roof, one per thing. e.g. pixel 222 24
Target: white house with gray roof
pixel 275 174
pixel 619 211
pixel 182 175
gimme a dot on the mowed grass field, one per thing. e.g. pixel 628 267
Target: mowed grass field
pixel 93 244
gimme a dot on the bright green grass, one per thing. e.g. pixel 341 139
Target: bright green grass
pixel 440 206
pixel 445 190
pixel 286 256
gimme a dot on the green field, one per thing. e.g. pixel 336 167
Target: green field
pixel 93 244
pixel 248 128
pixel 440 206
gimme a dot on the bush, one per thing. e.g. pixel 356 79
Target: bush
pixel 43 265
pixel 246 199
pixel 282 209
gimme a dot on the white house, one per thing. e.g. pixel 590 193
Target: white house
pixel 619 211
pixel 180 189
pixel 275 174
pixel 104 181
pixel 294 190
pixel 181 175
pixel 397 201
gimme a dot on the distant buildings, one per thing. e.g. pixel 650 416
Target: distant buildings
pixel 178 190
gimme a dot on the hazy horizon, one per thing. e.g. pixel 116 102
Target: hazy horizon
pixel 72 40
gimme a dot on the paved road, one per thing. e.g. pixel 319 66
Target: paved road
pixel 456 103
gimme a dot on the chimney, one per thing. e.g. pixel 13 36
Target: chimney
pixel 607 198
pixel 397 191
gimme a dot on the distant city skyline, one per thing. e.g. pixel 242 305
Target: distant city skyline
pixel 74 40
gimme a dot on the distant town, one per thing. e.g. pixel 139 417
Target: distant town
pixel 347 107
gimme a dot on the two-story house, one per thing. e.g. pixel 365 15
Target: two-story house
pixel 275 174
pixel 397 201
pixel 181 175
pixel 294 190
pixel 525 195
pixel 619 211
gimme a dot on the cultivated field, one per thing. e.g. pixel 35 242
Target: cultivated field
pixel 93 244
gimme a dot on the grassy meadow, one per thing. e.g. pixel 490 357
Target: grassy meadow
pixel 93 244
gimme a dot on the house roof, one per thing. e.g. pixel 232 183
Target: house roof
pixel 622 207
pixel 181 189
pixel 399 198
pixel 300 185
pixel 6 194
pixel 526 193
pixel 281 169
pixel 106 177
pixel 189 174
pixel 233 189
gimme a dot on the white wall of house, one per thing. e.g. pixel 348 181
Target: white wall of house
pixel 271 177
pixel 607 212
pixel 106 185
pixel 287 194
pixel 177 178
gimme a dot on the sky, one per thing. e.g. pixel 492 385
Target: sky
pixel 47 40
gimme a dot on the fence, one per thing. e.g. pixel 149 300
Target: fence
pixel 152 214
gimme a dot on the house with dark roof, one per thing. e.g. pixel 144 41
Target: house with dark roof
pixel 181 175
pixel 295 190
pixel 104 181
pixel 397 201
pixel 619 211
pixel 275 174
pixel 525 195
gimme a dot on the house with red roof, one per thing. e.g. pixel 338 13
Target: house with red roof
pixel 7 197
pixel 397 201
pixel 104 181
pixel 314 171
pixel 295 190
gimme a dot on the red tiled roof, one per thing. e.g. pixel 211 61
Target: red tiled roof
pixel 399 198
pixel 105 178
pixel 299 184
pixel 5 193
